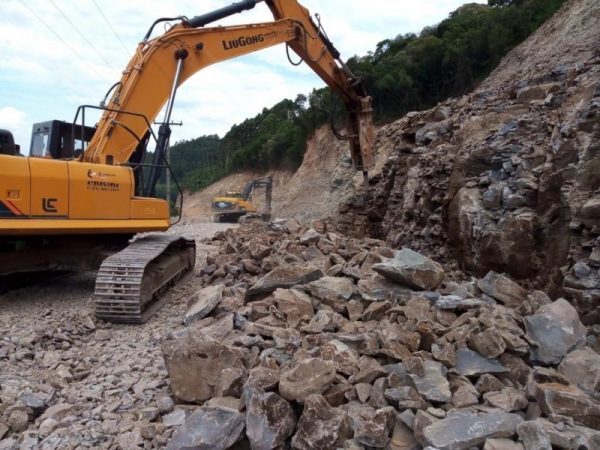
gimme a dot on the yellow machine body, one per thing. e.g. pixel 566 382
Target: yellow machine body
pixel 235 203
pixel 41 196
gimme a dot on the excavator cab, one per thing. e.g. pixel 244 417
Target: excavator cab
pixel 59 140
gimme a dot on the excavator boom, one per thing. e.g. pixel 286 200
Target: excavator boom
pixel 161 64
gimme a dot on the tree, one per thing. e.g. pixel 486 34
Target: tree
pixel 504 3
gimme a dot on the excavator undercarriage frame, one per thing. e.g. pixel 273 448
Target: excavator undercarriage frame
pixel 130 284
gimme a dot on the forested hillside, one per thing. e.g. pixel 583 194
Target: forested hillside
pixel 405 73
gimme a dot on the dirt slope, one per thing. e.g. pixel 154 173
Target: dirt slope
pixel 569 38
pixel 197 204
pixel 506 178
pixel 324 181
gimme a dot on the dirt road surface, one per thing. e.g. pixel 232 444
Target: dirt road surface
pixel 67 381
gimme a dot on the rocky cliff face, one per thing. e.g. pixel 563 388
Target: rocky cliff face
pixel 506 178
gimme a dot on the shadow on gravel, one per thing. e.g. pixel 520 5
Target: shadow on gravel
pixel 11 284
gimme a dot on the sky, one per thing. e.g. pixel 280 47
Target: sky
pixel 59 54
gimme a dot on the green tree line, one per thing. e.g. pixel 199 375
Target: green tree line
pixel 405 73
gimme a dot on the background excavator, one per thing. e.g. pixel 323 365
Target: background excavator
pixel 233 205
pixel 84 192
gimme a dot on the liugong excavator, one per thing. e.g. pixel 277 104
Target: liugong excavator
pixel 234 205
pixel 81 195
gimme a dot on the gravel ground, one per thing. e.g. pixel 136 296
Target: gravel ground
pixel 110 379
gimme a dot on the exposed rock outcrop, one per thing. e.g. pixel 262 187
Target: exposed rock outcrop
pixel 507 178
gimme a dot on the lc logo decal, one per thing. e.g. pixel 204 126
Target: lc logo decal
pixel 49 205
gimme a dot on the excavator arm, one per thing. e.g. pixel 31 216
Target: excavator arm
pixel 265 182
pixel 319 53
pixel 162 64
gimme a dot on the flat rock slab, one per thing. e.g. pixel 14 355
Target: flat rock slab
pixel 503 289
pixel 502 444
pixel 284 277
pixel 412 269
pixel 433 385
pixel 465 429
pixel 174 419
pixel 206 300
pixel 470 363
pixel 456 303
pixel 554 330
pixel 582 367
pixel 209 428
pixel 379 288
pixel 332 291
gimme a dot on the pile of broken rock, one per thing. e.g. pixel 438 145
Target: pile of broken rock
pixel 307 339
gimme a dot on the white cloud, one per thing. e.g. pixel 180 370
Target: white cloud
pixel 43 76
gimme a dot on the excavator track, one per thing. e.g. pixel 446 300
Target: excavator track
pixel 130 284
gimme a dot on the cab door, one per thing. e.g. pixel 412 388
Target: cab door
pixel 49 189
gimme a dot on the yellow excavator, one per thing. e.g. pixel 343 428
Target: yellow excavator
pixel 84 192
pixel 234 205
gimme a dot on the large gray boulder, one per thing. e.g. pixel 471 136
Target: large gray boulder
pixel 286 276
pixel 206 300
pixel 503 289
pixel 554 330
pixel 209 428
pixel 466 429
pixel 469 363
pixel 412 269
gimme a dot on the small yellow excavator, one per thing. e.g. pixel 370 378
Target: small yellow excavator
pixel 84 192
pixel 233 205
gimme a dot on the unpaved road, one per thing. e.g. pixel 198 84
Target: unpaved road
pixel 109 378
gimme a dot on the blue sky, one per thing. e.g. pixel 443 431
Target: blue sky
pixel 58 54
